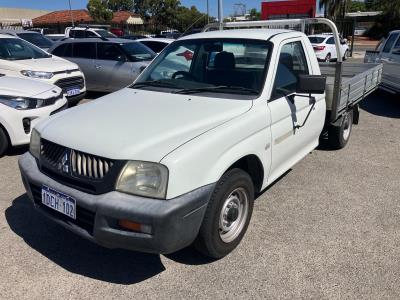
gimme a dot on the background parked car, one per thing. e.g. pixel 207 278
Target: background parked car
pixel 32 37
pixel 22 59
pixel 156 44
pixel 88 32
pixel 55 37
pixel 108 65
pixel 23 103
pixel 325 49
pixel 133 37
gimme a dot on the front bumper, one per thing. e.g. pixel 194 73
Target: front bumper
pixel 175 223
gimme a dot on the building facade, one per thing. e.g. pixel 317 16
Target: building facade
pixel 290 9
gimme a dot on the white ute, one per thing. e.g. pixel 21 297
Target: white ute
pixel 178 157
pixel 23 103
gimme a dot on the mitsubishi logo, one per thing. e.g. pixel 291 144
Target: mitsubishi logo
pixel 63 164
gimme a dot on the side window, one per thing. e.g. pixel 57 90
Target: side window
pixel 155 46
pixel 292 63
pixel 389 43
pixel 60 50
pixel 397 45
pixel 331 41
pixel 85 50
pixel 90 34
pixel 77 34
pixel 108 51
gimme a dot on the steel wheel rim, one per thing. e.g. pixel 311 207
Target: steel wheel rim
pixel 346 127
pixel 236 202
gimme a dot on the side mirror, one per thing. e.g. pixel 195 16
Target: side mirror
pixel 311 84
pixel 121 58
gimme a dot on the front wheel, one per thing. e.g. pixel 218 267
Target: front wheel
pixel 339 136
pixel 3 142
pixel 328 57
pixel 227 216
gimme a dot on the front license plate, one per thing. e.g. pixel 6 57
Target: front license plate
pixel 73 92
pixel 59 202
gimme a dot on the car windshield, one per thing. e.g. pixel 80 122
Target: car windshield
pixel 36 39
pixel 316 39
pixel 138 52
pixel 17 49
pixel 204 66
pixel 105 33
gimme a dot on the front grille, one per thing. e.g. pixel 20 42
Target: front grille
pixel 86 172
pixel 85 165
pixel 70 83
pixel 51 152
pixel 84 217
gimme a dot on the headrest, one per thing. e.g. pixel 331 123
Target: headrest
pixel 224 60
pixel 287 60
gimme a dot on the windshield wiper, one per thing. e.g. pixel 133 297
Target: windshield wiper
pixel 218 89
pixel 156 83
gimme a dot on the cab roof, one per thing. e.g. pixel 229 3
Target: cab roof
pixel 258 34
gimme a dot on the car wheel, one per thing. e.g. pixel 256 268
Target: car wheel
pixel 3 142
pixel 227 216
pixel 328 57
pixel 339 136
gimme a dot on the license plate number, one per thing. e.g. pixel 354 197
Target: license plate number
pixel 59 202
pixel 73 92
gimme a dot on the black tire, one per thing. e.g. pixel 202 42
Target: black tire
pixel 210 238
pixel 4 143
pixel 328 57
pixel 338 136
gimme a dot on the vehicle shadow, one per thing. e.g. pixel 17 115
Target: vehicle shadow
pixel 16 151
pixel 78 255
pixel 382 104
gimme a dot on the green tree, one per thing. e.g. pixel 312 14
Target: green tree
pixel 254 14
pixel 187 18
pixel 355 6
pixel 99 11
pixel 334 8
pixel 121 5
pixel 389 19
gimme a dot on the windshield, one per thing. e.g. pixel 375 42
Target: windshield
pixel 105 33
pixel 227 66
pixel 316 39
pixel 138 52
pixel 36 39
pixel 17 49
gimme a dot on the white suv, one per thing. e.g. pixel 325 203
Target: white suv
pixel 23 103
pixel 20 58
pixel 88 32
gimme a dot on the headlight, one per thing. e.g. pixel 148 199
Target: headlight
pixel 37 74
pixel 34 146
pixel 21 103
pixel 144 179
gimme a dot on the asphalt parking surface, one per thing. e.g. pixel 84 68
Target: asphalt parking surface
pixel 329 228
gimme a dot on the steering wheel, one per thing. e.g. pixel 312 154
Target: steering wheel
pixel 183 74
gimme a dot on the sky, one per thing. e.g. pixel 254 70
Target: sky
pixel 77 4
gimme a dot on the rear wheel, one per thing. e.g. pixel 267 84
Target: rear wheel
pixel 328 57
pixel 227 216
pixel 339 136
pixel 3 142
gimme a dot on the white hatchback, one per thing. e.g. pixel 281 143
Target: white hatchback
pixel 23 103
pixel 325 49
pixel 20 58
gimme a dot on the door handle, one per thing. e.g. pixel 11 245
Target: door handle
pixel 97 66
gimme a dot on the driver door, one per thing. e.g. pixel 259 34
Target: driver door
pixel 289 109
